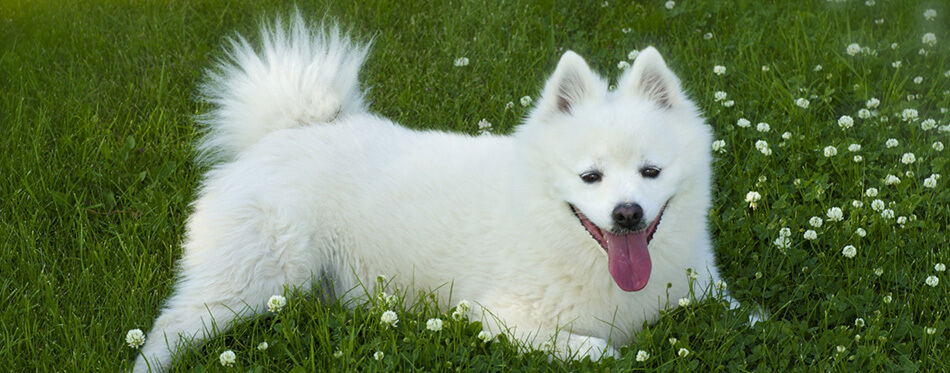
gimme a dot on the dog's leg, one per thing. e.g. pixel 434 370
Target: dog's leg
pixel 204 304
pixel 560 342
pixel 578 346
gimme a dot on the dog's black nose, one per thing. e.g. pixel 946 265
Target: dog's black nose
pixel 627 215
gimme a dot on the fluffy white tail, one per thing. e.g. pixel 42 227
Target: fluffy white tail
pixel 300 76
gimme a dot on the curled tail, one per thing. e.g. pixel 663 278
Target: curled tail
pixel 300 75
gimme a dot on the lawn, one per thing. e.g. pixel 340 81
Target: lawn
pixel 831 120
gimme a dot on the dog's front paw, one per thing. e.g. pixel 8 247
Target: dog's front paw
pixel 580 346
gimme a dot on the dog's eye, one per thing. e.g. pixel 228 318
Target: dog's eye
pixel 650 172
pixel 591 177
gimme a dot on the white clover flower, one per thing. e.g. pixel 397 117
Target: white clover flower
pixel 379 355
pixel 485 336
pixel 785 232
pixel 853 49
pixel 890 143
pixel 871 192
pixel 783 242
pixel 682 352
pixel 633 54
pixel 815 222
pixel 909 115
pixel 858 159
pixel 864 113
pixel 763 127
pixel 810 235
pixel 744 123
pixel 860 232
pixel 684 302
pixel 878 271
pixel 854 147
pixel 849 251
pixel 719 146
pixel 887 299
pixel 728 103
pixel 877 205
pixel 623 65
pixel 510 105
pixel 719 70
pixel 765 68
pixel 908 158
pixel 940 267
pixel 859 322
pixel 841 349
pixel 276 303
pixel 857 204
pixel 670 4
pixel 721 285
pixel 902 220
pixel 887 214
pixel 708 36
pixel 752 198
pixel 929 39
pixel 389 318
pixel 892 180
pixel 337 354
pixel 434 324
pixel 896 64
pixel 642 355
pixel 918 80
pixel 930 14
pixel 626 30
pixel 673 341
pixel 227 358
pixel 817 68
pixel 928 124
pixel 484 126
pixel 872 103
pixel 845 122
pixel 720 95
pixel 691 274
pixel 763 147
pixel 262 346
pixel 786 135
pixel 802 103
pixel 835 214
pixel 938 146
pixel 461 61
pixel 830 151
pixel 526 101
pixel 461 310
pixel 930 182
pixel 135 338
pixel 932 281
pixel 930 330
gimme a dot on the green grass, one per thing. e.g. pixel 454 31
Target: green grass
pixel 96 172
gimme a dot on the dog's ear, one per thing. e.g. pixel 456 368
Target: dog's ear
pixel 571 84
pixel 650 77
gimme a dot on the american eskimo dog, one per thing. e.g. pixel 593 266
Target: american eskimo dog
pixel 571 232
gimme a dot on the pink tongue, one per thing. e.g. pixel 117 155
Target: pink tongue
pixel 628 259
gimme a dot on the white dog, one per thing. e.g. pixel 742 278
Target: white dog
pixel 571 232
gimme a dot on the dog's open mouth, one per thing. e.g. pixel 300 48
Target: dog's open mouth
pixel 627 255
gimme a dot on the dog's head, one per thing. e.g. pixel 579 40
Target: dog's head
pixel 621 160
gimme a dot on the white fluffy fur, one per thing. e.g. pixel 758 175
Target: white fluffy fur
pixel 311 184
